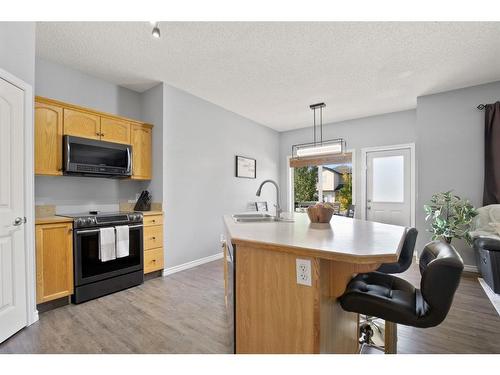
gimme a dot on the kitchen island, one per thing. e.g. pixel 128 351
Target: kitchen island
pixel 272 311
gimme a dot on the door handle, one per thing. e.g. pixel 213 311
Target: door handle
pixel 19 221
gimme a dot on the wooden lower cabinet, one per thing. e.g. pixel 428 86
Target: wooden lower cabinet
pixel 153 243
pixel 54 261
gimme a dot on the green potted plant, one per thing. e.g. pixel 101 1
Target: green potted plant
pixel 450 216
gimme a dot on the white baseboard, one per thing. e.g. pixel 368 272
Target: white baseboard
pixel 469 268
pixel 194 263
pixel 33 317
pixel 494 298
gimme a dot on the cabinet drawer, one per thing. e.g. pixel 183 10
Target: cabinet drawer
pixel 153 260
pixel 153 220
pixel 153 237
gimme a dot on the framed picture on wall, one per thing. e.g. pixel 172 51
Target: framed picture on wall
pixel 246 167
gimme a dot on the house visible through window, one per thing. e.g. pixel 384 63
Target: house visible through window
pixel 323 183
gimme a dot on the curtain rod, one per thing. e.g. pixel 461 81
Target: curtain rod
pixel 481 106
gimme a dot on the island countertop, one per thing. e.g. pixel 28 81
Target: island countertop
pixel 343 239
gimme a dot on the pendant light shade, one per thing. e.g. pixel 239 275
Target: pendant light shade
pixel 334 146
pixel 318 148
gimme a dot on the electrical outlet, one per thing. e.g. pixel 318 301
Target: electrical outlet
pixel 303 272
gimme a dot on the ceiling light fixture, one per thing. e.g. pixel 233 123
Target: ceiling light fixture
pixel 318 148
pixel 156 29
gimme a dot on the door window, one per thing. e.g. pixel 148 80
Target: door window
pixel 388 179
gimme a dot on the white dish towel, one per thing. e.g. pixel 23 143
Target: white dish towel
pixel 107 249
pixel 122 243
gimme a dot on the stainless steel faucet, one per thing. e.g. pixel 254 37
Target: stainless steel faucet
pixel 277 205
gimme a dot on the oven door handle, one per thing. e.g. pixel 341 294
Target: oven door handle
pixel 77 231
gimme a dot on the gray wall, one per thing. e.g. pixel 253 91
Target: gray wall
pixel 152 112
pixel 63 83
pixel 17 49
pixel 388 129
pixel 81 193
pixel 200 143
pixel 450 149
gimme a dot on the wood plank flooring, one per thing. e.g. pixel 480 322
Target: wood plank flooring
pixel 181 313
pixel 185 313
pixel 472 325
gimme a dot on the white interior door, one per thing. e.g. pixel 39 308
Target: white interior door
pixel 388 186
pixel 13 312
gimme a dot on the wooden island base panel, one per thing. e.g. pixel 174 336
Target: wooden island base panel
pixel 275 314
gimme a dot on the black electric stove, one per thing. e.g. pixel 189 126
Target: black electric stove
pixel 94 278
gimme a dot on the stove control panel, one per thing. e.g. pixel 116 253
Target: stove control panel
pixel 108 220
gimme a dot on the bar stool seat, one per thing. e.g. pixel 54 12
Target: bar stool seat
pixel 385 296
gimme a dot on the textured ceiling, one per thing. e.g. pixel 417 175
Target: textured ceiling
pixel 271 72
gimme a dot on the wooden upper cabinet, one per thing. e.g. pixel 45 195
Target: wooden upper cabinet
pixel 48 139
pixel 82 124
pixel 54 119
pixel 54 261
pixel 141 138
pixel 114 130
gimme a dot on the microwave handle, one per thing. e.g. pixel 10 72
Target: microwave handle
pixel 68 152
pixel 129 160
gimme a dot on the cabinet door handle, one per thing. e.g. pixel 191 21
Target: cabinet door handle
pixel 153 238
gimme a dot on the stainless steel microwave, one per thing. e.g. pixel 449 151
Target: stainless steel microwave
pixel 89 157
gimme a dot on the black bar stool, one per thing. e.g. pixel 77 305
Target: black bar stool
pixel 404 262
pixel 397 302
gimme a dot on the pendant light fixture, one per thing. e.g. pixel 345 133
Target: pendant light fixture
pixel 318 147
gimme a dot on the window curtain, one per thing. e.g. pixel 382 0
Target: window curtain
pixel 491 193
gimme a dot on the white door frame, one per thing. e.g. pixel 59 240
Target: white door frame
pixel 29 194
pixel 290 176
pixel 413 184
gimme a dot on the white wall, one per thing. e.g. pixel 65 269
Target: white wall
pixel 17 49
pixel 381 130
pixel 70 193
pixel 450 149
pixel 200 143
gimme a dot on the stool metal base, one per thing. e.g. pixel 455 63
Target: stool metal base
pixel 366 336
